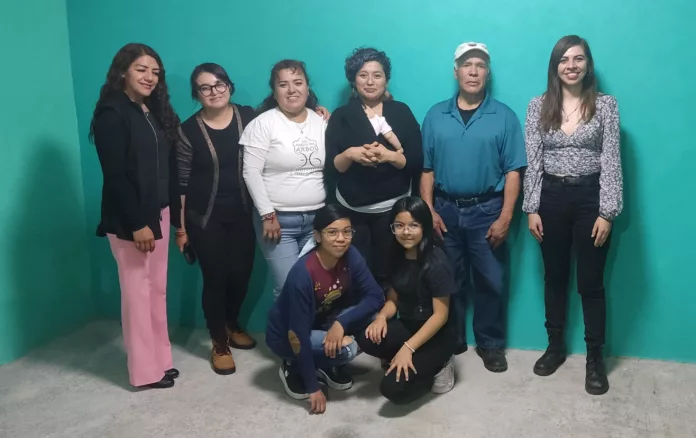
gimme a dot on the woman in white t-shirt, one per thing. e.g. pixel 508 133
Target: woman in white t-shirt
pixel 284 159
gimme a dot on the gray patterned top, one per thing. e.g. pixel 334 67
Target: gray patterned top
pixel 593 147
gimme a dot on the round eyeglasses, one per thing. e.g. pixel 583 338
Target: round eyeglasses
pixel 207 90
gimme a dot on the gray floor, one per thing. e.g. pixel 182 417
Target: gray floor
pixel 78 387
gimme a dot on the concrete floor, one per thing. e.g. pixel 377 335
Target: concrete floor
pixel 78 387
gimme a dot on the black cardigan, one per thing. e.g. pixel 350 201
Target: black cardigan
pixel 199 169
pixel 362 185
pixel 128 152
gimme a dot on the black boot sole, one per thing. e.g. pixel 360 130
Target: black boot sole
pixel 491 368
pixel 546 373
pixel 593 391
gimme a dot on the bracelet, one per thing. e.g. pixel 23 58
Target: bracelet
pixel 409 347
pixel 180 233
pixel 269 216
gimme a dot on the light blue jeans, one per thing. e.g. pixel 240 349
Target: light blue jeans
pixel 295 231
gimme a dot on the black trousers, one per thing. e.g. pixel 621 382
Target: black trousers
pixel 428 359
pixel 372 238
pixel 568 214
pixel 225 253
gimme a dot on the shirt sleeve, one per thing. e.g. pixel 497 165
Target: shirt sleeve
pixel 111 140
pixel 428 143
pixel 535 155
pixel 256 140
pixel 611 177
pixel 412 143
pixel 512 151
pixel 365 284
pixel 440 277
pixel 301 316
pixel 184 157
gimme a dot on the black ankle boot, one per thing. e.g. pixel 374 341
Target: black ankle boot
pixel 554 356
pixel 596 382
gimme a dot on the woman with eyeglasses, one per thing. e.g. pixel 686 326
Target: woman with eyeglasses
pixel 329 296
pixel 216 208
pixel 419 344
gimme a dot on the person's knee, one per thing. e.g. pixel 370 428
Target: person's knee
pixel 392 390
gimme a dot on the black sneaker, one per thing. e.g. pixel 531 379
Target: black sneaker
pixel 335 378
pixel 292 380
pixel 493 359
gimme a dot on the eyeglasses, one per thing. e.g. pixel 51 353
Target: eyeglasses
pixel 332 233
pixel 207 90
pixel 398 227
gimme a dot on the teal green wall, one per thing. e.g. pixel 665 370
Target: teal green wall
pixel 44 262
pixel 643 57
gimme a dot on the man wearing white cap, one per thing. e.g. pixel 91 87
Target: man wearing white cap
pixel 473 154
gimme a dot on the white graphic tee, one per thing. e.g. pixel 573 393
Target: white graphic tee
pixel 284 161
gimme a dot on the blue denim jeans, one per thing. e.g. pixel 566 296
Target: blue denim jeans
pixel 295 231
pixel 479 270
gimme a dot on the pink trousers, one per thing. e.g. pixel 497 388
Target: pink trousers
pixel 143 280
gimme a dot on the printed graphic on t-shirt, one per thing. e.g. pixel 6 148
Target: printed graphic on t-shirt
pixel 330 286
pixel 332 294
pixel 309 151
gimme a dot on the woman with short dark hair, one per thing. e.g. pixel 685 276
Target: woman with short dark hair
pixel 217 210
pixel 328 298
pixel 366 170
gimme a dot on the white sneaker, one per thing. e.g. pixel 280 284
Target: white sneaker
pixel 444 380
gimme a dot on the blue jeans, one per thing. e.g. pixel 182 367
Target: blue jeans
pixel 295 231
pixel 478 269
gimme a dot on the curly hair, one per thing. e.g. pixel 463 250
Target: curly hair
pixel 360 57
pixel 292 65
pixel 157 102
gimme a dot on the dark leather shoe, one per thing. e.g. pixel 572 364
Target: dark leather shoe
pixel 493 359
pixel 596 382
pixel 549 362
pixel 164 383
pixel 172 373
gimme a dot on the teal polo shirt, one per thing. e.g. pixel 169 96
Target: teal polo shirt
pixel 472 159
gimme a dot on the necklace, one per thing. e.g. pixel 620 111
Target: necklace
pixel 301 127
pixel 566 117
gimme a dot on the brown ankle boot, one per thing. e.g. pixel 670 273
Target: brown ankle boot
pixel 221 359
pixel 240 340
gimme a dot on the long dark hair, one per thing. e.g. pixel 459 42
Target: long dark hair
pixel 420 212
pixel 292 65
pixel 552 106
pixel 157 102
pixel 214 69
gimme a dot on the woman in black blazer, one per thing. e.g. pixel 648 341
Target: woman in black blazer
pixel 364 171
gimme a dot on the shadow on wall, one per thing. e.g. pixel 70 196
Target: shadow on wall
pixel 627 261
pixel 47 252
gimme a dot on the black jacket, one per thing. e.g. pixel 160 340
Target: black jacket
pixel 128 147
pixel 199 169
pixel 361 185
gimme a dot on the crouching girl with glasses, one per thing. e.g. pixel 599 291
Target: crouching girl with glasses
pixel 329 295
pixel 418 345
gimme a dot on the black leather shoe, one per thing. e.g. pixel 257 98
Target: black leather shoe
pixel 164 383
pixel 493 359
pixel 551 360
pixel 172 373
pixel 596 382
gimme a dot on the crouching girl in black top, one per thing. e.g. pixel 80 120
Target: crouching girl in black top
pixel 419 344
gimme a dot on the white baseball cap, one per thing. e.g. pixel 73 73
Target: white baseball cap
pixel 464 48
